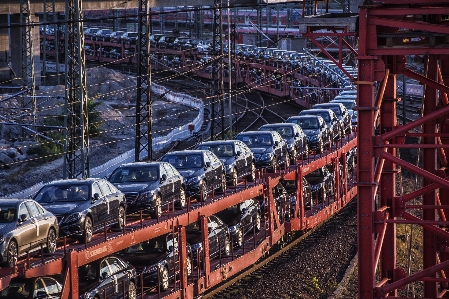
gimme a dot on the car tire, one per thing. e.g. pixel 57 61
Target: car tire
pixel 202 191
pixel 252 176
pixel 157 211
pixel 286 161
pixel 239 238
pixel 227 247
pixel 164 279
pixel 293 157
pixel 181 203
pixel 234 177
pixel 189 266
pixel 121 218
pixel 273 166
pixel 222 187
pixel 257 223
pixel 306 152
pixel 132 290
pixel 88 230
pixel 12 254
pixel 51 241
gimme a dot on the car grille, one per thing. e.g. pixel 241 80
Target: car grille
pixel 131 197
pixel 257 156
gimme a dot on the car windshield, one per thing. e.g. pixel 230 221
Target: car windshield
pixel 184 161
pixel 61 193
pixel 335 109
pixel 256 140
pixel 286 132
pixel 221 150
pixel 308 123
pixel 7 213
pixel 348 105
pixel 140 174
pixel 16 290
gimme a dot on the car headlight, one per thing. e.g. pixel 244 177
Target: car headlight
pixel 313 137
pixel 147 196
pixel 265 156
pixel 87 296
pixel 73 217
pixel 193 180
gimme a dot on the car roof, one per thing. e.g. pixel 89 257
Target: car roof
pixel 278 125
pixel 153 163
pixel 13 200
pixel 328 105
pixel 231 141
pixel 316 110
pixel 73 181
pixel 256 132
pixel 187 152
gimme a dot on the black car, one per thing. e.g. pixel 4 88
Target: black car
pixel 149 186
pixel 110 277
pixel 330 118
pixel 241 219
pixel 129 37
pixel 294 136
pixel 268 147
pixel 341 112
pixel 157 40
pixel 158 255
pixel 322 182
pixel 290 187
pixel 317 132
pixel 116 36
pixel 282 199
pixel 24 226
pixel 218 236
pixel 89 33
pixel 32 288
pixel 171 42
pixel 83 206
pixel 201 169
pixel 183 43
pixel 236 157
pixel 103 35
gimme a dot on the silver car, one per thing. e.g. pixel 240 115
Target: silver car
pixel 24 226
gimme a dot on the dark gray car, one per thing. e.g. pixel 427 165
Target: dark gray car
pixel 341 112
pixel 318 133
pixel 236 157
pixel 149 186
pixel 330 118
pixel 201 169
pixel 294 137
pixel 83 206
pixel 24 226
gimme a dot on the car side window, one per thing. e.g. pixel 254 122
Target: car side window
pixel 207 158
pixel 32 208
pixel 165 169
pixel 111 187
pixel 96 189
pixel 104 269
pixel 174 170
pixel 115 265
pixel 46 285
pixel 23 211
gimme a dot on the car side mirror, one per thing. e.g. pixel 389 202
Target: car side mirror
pixel 207 165
pixel 96 197
pixel 276 143
pixel 164 177
pixel 238 153
pixel 23 218
pixel 104 275
pixel 170 248
pixel 209 230
pixel 297 135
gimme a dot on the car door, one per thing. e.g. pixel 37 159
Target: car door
pixel 173 253
pixel 240 160
pixel 177 181
pixel 26 231
pixel 248 156
pixel 278 144
pixel 214 171
pixel 246 215
pixel 167 186
pixel 101 210
pixel 42 225
pixel 214 235
pixel 108 285
pixel 112 200
pixel 119 278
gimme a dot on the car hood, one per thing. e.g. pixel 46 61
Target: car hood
pixel 136 187
pixel 189 173
pixel 64 207
pixel 261 150
pixel 311 132
pixel 227 160
pixel 7 227
pixel 144 260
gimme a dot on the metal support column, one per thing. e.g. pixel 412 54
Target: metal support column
pixel 76 147
pixel 28 103
pixel 144 130
pixel 217 101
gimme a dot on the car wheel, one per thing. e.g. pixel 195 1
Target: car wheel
pixel 287 160
pixel 293 157
pixel 234 177
pixel 320 147
pixel 306 152
pixel 273 165
pixel 88 230
pixel 164 280
pixel 188 266
pixel 227 247
pixel 252 176
pixel 13 254
pixel 121 218
pixel 223 183
pixel 132 291
pixel 257 223
pixel 157 210
pixel 239 238
pixel 51 241
pixel 203 190
pixel 182 199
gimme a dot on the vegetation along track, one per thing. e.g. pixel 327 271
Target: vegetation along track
pixel 311 266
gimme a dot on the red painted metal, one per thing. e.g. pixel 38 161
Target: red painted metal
pixel 386 31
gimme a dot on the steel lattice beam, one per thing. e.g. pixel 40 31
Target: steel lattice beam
pixel 28 111
pixel 76 148
pixel 217 101
pixel 144 130
pixel 387 32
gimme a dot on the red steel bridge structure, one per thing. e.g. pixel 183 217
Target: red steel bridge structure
pixel 388 32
